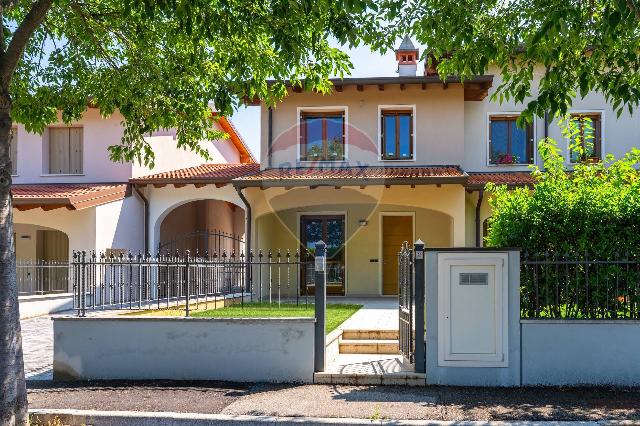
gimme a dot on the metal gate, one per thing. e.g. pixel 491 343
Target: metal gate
pixel 406 302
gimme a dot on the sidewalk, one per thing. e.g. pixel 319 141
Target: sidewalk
pixel 332 401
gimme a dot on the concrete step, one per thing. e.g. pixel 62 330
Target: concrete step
pixel 370 334
pixel 390 379
pixel 368 346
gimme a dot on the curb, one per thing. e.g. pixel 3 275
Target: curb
pixel 117 418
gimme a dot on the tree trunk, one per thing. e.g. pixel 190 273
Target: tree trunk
pixel 13 391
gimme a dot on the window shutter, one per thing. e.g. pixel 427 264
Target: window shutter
pixel 75 150
pixel 13 151
pixel 58 150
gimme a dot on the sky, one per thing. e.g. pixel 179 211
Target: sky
pixel 365 64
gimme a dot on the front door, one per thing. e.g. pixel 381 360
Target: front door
pixel 395 231
pixel 330 229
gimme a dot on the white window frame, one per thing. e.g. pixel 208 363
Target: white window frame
pixel 488 140
pixel 302 109
pixel 408 107
pixel 603 153
pixel 47 151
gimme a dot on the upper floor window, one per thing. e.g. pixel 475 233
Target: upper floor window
pixel 322 136
pixel 65 150
pixel 508 143
pixel 397 134
pixel 13 150
pixel 586 137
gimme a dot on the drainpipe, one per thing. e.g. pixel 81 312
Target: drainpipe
pixel 478 227
pixel 247 228
pixel 145 203
pixel 546 124
pixel 270 138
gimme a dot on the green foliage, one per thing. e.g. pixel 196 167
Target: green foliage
pixel 164 64
pixel 594 209
pixel 573 46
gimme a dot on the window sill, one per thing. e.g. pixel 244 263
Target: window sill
pixel 396 160
pixel 324 161
pixel 511 165
pixel 61 174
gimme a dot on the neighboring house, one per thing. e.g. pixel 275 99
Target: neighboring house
pixel 68 195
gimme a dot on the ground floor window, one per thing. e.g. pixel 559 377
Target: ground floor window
pixel 331 230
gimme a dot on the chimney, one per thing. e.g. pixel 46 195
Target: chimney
pixel 407 57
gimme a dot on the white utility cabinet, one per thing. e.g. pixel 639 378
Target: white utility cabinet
pixel 472 309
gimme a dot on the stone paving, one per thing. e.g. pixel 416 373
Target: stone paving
pixel 37 345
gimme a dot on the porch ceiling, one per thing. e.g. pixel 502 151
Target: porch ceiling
pixel 70 195
pixel 353 176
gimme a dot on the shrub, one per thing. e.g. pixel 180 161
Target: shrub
pixel 595 209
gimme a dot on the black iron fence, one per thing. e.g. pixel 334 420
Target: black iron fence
pixel 36 276
pixel 177 281
pixel 406 302
pixel 553 286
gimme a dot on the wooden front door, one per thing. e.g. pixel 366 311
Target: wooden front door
pixel 395 231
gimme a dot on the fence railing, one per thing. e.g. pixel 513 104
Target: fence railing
pixel 35 276
pixel 211 240
pixel 553 286
pixel 177 281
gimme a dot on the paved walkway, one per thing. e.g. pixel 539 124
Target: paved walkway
pixel 37 346
pixel 377 313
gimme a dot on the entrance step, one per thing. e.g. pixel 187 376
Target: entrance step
pixel 362 346
pixel 390 379
pixel 370 334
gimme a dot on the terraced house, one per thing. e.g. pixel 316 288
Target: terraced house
pixel 376 162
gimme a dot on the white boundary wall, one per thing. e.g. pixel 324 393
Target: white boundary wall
pixel 37 305
pixel 581 352
pixel 238 349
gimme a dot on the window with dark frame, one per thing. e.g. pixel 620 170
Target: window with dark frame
pixel 588 137
pixel 397 134
pixel 508 143
pixel 322 136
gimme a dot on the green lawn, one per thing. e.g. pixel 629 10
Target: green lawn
pixel 336 313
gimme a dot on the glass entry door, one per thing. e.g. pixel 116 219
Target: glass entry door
pixel 330 229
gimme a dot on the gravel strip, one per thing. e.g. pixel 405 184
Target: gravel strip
pixel 180 397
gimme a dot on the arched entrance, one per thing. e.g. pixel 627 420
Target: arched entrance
pixel 200 226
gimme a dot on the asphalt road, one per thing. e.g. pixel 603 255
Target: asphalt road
pixel 369 402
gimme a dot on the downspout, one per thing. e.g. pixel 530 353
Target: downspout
pixel 270 137
pixel 546 124
pixel 145 204
pixel 247 227
pixel 478 207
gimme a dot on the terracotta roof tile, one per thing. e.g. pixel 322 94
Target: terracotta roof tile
pixel 204 173
pixel 352 175
pixel 74 196
pixel 479 180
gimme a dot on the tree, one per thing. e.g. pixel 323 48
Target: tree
pixel 161 64
pixel 574 46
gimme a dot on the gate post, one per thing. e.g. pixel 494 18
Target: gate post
pixel 320 305
pixel 419 280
